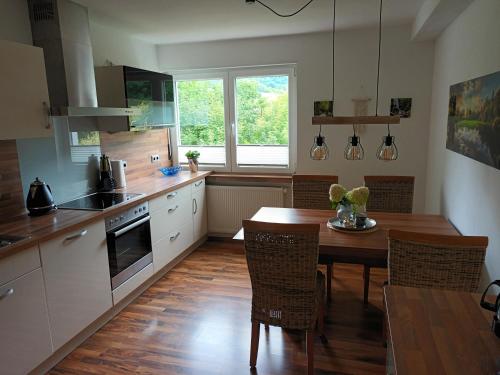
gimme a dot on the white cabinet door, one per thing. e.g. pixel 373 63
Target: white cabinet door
pixel 24 324
pixel 78 286
pixel 199 214
pixel 24 97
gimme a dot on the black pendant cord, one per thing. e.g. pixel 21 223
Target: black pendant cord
pixel 388 130
pixel 379 49
pixel 333 50
pixel 281 14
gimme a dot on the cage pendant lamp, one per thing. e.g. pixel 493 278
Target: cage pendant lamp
pixel 388 151
pixel 361 120
pixel 354 149
pixel 319 149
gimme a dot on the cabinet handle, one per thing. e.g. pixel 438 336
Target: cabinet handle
pixel 171 195
pixel 7 293
pixel 170 210
pixel 47 111
pixel 198 183
pixel 77 235
pixel 195 206
pixel 174 237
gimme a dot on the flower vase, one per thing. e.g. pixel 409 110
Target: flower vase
pixel 193 165
pixel 346 214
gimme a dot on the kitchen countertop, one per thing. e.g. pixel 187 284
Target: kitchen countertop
pixel 42 228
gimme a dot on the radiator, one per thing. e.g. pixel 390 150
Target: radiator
pixel 227 206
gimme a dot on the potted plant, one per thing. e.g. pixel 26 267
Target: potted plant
pixel 348 203
pixel 192 157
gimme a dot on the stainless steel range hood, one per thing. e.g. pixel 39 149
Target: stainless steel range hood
pixel 61 28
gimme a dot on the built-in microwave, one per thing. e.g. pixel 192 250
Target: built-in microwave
pixel 150 94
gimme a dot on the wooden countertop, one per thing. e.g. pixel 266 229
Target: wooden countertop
pixel 58 222
pixel 440 332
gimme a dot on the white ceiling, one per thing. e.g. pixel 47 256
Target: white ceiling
pixel 179 21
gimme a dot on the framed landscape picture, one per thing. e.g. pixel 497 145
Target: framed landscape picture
pixel 474 119
pixel 401 107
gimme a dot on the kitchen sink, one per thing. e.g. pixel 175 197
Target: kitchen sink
pixel 6 240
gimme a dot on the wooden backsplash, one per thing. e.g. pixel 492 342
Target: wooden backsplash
pixel 11 188
pixel 136 148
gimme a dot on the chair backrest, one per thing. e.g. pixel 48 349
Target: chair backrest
pixel 312 191
pixel 390 193
pixel 436 261
pixel 282 262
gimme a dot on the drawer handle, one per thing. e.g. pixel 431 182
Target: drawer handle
pixel 171 195
pixel 198 183
pixel 170 210
pixel 7 293
pixel 173 238
pixel 195 206
pixel 77 235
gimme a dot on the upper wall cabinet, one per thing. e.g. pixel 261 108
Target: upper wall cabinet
pixel 150 94
pixel 24 96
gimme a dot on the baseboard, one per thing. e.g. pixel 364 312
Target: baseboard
pixel 79 339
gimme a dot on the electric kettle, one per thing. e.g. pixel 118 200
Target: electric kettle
pixel 39 200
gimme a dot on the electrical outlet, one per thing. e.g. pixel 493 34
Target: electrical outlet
pixel 155 158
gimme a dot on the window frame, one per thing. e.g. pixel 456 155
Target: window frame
pixel 229 76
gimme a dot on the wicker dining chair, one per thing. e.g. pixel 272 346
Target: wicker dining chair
pixel 387 194
pixel 313 192
pixel 436 261
pixel 287 289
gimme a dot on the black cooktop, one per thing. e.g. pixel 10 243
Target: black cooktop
pixel 97 201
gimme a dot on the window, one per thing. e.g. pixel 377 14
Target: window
pixel 84 144
pixel 238 119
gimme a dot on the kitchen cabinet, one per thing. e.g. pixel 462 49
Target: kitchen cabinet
pixel 25 340
pixel 199 210
pixel 172 222
pixel 77 280
pixel 24 98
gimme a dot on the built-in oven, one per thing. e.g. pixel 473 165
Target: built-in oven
pixel 129 243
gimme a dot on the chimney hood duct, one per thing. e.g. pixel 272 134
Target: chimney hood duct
pixel 61 29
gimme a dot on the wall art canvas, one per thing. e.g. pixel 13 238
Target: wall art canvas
pixel 474 119
pixel 323 108
pixel 401 107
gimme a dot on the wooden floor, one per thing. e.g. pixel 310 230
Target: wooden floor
pixel 196 320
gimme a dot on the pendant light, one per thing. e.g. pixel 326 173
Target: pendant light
pixel 348 120
pixel 387 150
pixel 354 150
pixel 319 149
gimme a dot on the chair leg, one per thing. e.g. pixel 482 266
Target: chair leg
pixel 321 322
pixel 366 278
pixel 254 344
pixel 310 352
pixel 329 275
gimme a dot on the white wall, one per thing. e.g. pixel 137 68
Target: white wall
pixel 121 48
pixel 459 187
pixel 107 43
pixel 14 21
pixel 406 72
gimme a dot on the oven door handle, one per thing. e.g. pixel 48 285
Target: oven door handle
pixel 119 232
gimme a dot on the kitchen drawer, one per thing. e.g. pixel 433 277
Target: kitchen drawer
pixel 168 218
pixel 133 283
pixel 197 186
pixel 19 264
pixel 25 340
pixel 172 245
pixel 169 199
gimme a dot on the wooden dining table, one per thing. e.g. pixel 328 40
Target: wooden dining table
pixel 433 331
pixel 369 247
